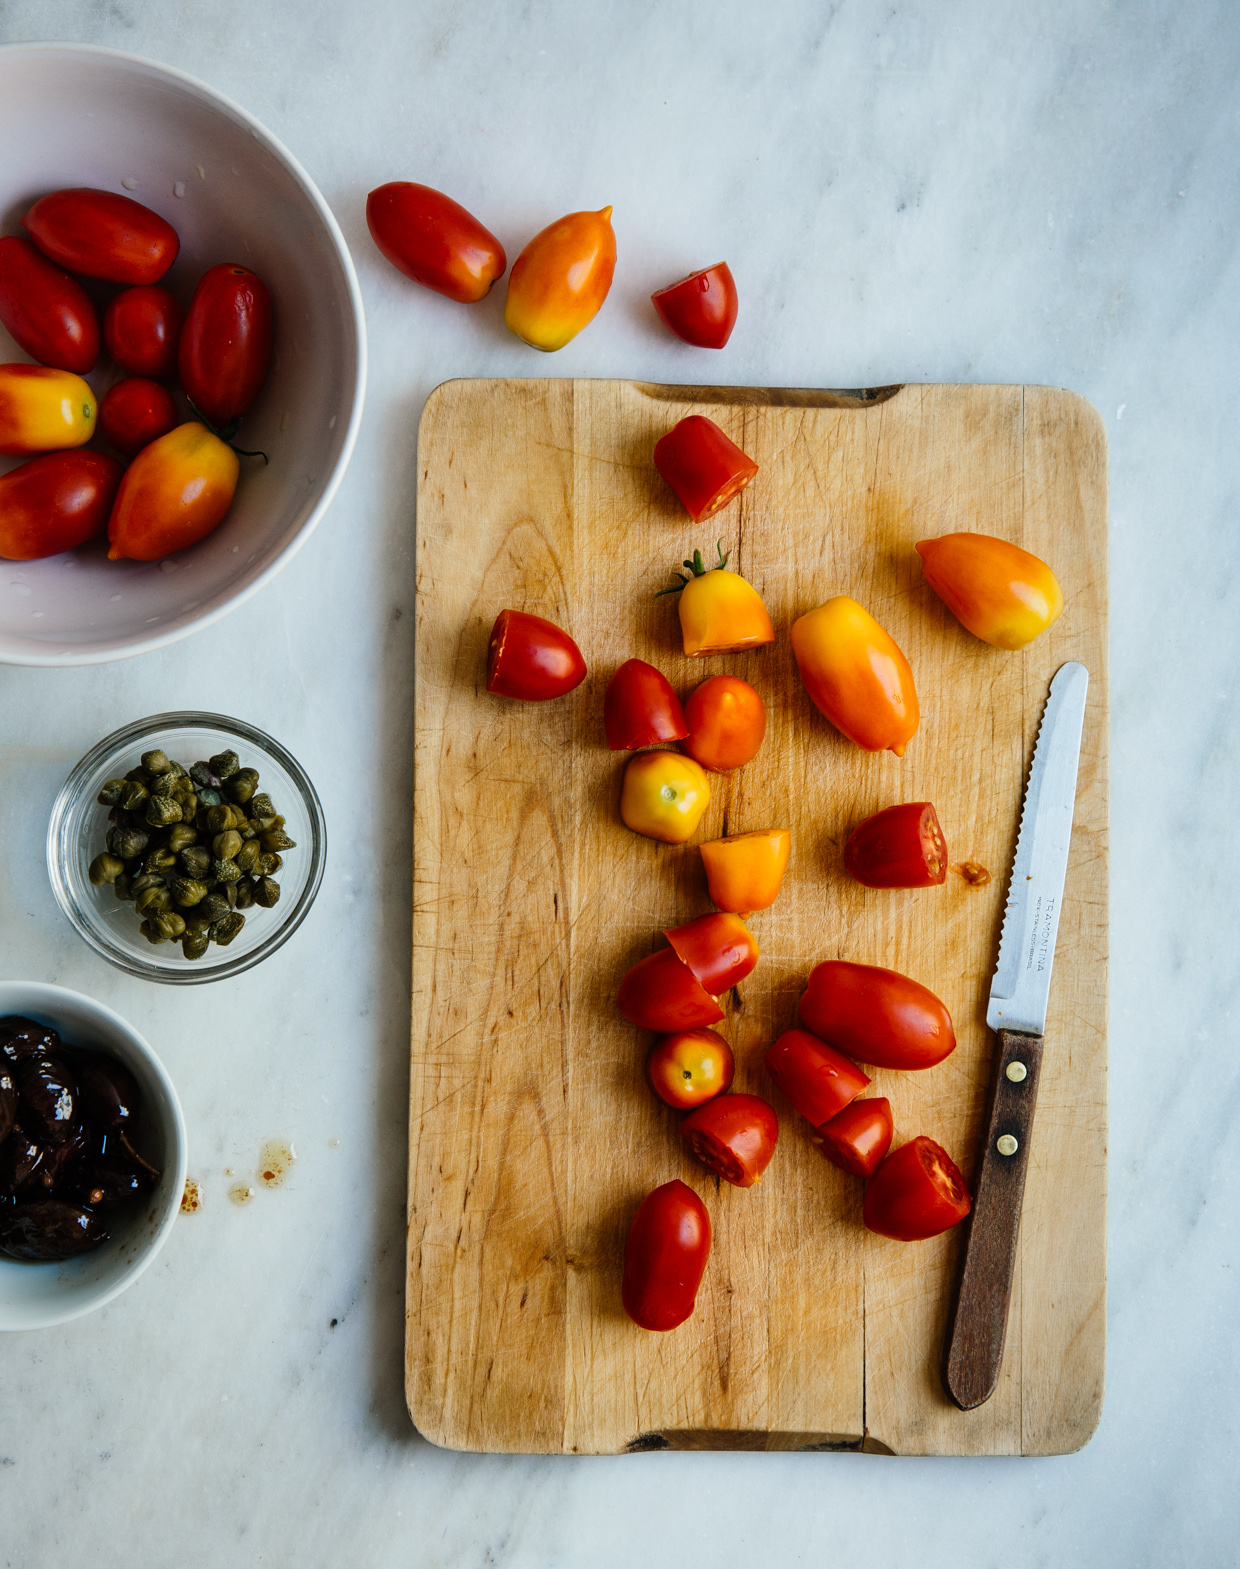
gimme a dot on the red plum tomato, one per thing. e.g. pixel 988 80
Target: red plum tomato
pixel 690 1067
pixel 135 412
pixel 532 659
pixel 224 352
pixel 899 847
pixel 660 993
pixel 857 1138
pixel 817 1080
pixel 101 234
pixel 641 709
pixel 142 331
pixel 434 240
pixel 720 950
pixel 704 467
pixel 55 503
pixel 733 1136
pixel 665 1256
pixel 700 309
pixel 878 1016
pixel 47 313
pixel 727 723
pixel 916 1193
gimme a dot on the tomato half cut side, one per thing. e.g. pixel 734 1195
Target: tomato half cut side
pixel 700 309
pixel 817 1080
pixel 665 1256
pixel 734 1136
pixel 720 950
pixel 899 847
pixel 857 1138
pixel 660 993
pixel 702 465
pixel 876 1015
pixel 916 1193
pixel 640 708
pixel 532 659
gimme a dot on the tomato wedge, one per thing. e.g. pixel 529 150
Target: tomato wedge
pixel 734 1136
pixel 661 993
pixel 532 659
pixel 817 1080
pixel 876 1015
pixel 744 871
pixel 857 1138
pixel 704 467
pixel 917 1192
pixel 640 708
pixel 719 950
pixel 899 847
pixel 665 1256
pixel 700 309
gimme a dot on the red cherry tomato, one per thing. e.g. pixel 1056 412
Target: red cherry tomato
pixel 719 950
pixel 55 502
pixel 660 993
pixel 916 1193
pixel 142 330
pixel 532 659
pixel 899 847
pixel 689 1068
pixel 703 466
pixel 665 1257
pixel 857 1138
pixel 733 1136
pixel 727 723
pixel 102 235
pixel 700 309
pixel 640 708
pixel 878 1016
pixel 48 313
pixel 434 241
pixel 136 412
pixel 225 348
pixel 818 1080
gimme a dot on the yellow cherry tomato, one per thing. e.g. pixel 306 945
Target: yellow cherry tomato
pixel 1000 592
pixel 44 410
pixel 173 494
pixel 719 611
pixel 664 795
pixel 744 871
pixel 856 675
pixel 560 279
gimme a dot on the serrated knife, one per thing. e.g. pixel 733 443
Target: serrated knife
pixel 973 1354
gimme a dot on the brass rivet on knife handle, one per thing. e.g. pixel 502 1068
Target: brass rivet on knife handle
pixel 973 1355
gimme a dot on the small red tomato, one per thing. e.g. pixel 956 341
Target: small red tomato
pixel 700 309
pixel 661 993
pixel 136 412
pixel 665 1257
pixel 818 1080
pixel 142 330
pixel 916 1193
pixel 48 313
pixel 703 466
pixel 876 1015
pixel 640 708
pixel 102 235
pixel 225 348
pixel 532 659
pixel 690 1067
pixel 727 723
pixel 719 950
pixel 734 1137
pixel 55 502
pixel 899 847
pixel 434 241
pixel 857 1138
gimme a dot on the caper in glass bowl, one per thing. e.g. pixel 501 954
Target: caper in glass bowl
pixel 159 900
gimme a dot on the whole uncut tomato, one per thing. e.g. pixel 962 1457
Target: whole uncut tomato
pixel 55 502
pixel 700 309
pixel 640 708
pixel 876 1015
pixel 662 993
pixel 434 240
pixel 663 796
pixel 719 950
pixel 857 1138
pixel 916 1193
pixel 44 410
pixel 47 313
pixel 720 613
pixel 702 465
pixel 733 1136
pixel 102 235
pixel 727 723
pixel 173 494
pixel 899 847
pixel 744 871
pixel 1003 594
pixel 856 675
pixel 665 1257
pixel 225 349
pixel 560 280
pixel 142 330
pixel 817 1080
pixel 532 659
pixel 690 1067
pixel 136 412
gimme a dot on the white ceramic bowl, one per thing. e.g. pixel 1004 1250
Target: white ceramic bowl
pixel 73 115
pixel 34 1296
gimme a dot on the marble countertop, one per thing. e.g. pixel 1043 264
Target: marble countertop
pixel 951 192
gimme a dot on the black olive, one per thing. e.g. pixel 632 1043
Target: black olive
pixel 49 1229
pixel 48 1094
pixel 8 1101
pixel 107 1091
pixel 21 1159
pixel 102 1184
pixel 21 1038
pixel 59 1160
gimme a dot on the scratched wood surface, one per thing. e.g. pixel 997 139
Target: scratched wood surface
pixel 532 1136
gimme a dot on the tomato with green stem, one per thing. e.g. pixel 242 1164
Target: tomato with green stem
pixel 720 613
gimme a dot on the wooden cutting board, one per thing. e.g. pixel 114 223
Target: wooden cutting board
pixel 532 1135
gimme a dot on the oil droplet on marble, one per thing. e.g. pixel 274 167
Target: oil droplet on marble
pixel 191 1197
pixel 242 1193
pixel 275 1162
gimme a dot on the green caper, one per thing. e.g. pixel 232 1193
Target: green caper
pixel 227 929
pixel 248 831
pixel 188 891
pixel 181 837
pixel 196 860
pixel 127 842
pixel 133 795
pixel 245 893
pixel 160 860
pixel 139 774
pixel 153 901
pixel 189 804
pixel 162 787
pixel 224 764
pixel 248 855
pixel 267 892
pixel 225 871
pixel 195 944
pixel 225 846
pixel 262 825
pixel 147 880
pixel 277 839
pixel 120 818
pixel 208 795
pixel 269 863
pixel 242 785
pixel 170 923
pixel 229 890
pixel 201 773
pixel 162 812
pixel 219 818
pixel 152 932
pixel 105 868
pixel 197 925
pixel 111 792
pixel 123 886
pixel 261 805
pixel 214 907
pixel 156 761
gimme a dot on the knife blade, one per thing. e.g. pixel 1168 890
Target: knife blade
pixel 1019 993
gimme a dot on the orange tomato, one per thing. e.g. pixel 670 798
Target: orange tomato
pixel 727 723
pixel 690 1067
pixel 560 279
pixel 664 796
pixel 719 611
pixel 44 410
pixel 1000 592
pixel 173 494
pixel 744 871
pixel 856 675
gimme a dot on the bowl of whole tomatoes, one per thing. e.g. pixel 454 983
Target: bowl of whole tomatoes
pixel 182 355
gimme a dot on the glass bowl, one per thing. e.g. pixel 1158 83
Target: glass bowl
pixel 110 925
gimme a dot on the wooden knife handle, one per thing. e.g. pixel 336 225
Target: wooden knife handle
pixel 973 1354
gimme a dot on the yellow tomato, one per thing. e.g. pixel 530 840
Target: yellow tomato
pixel 560 279
pixel 664 795
pixel 744 871
pixel 856 675
pixel 44 410
pixel 173 494
pixel 1000 592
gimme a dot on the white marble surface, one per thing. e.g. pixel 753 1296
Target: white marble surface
pixel 952 191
